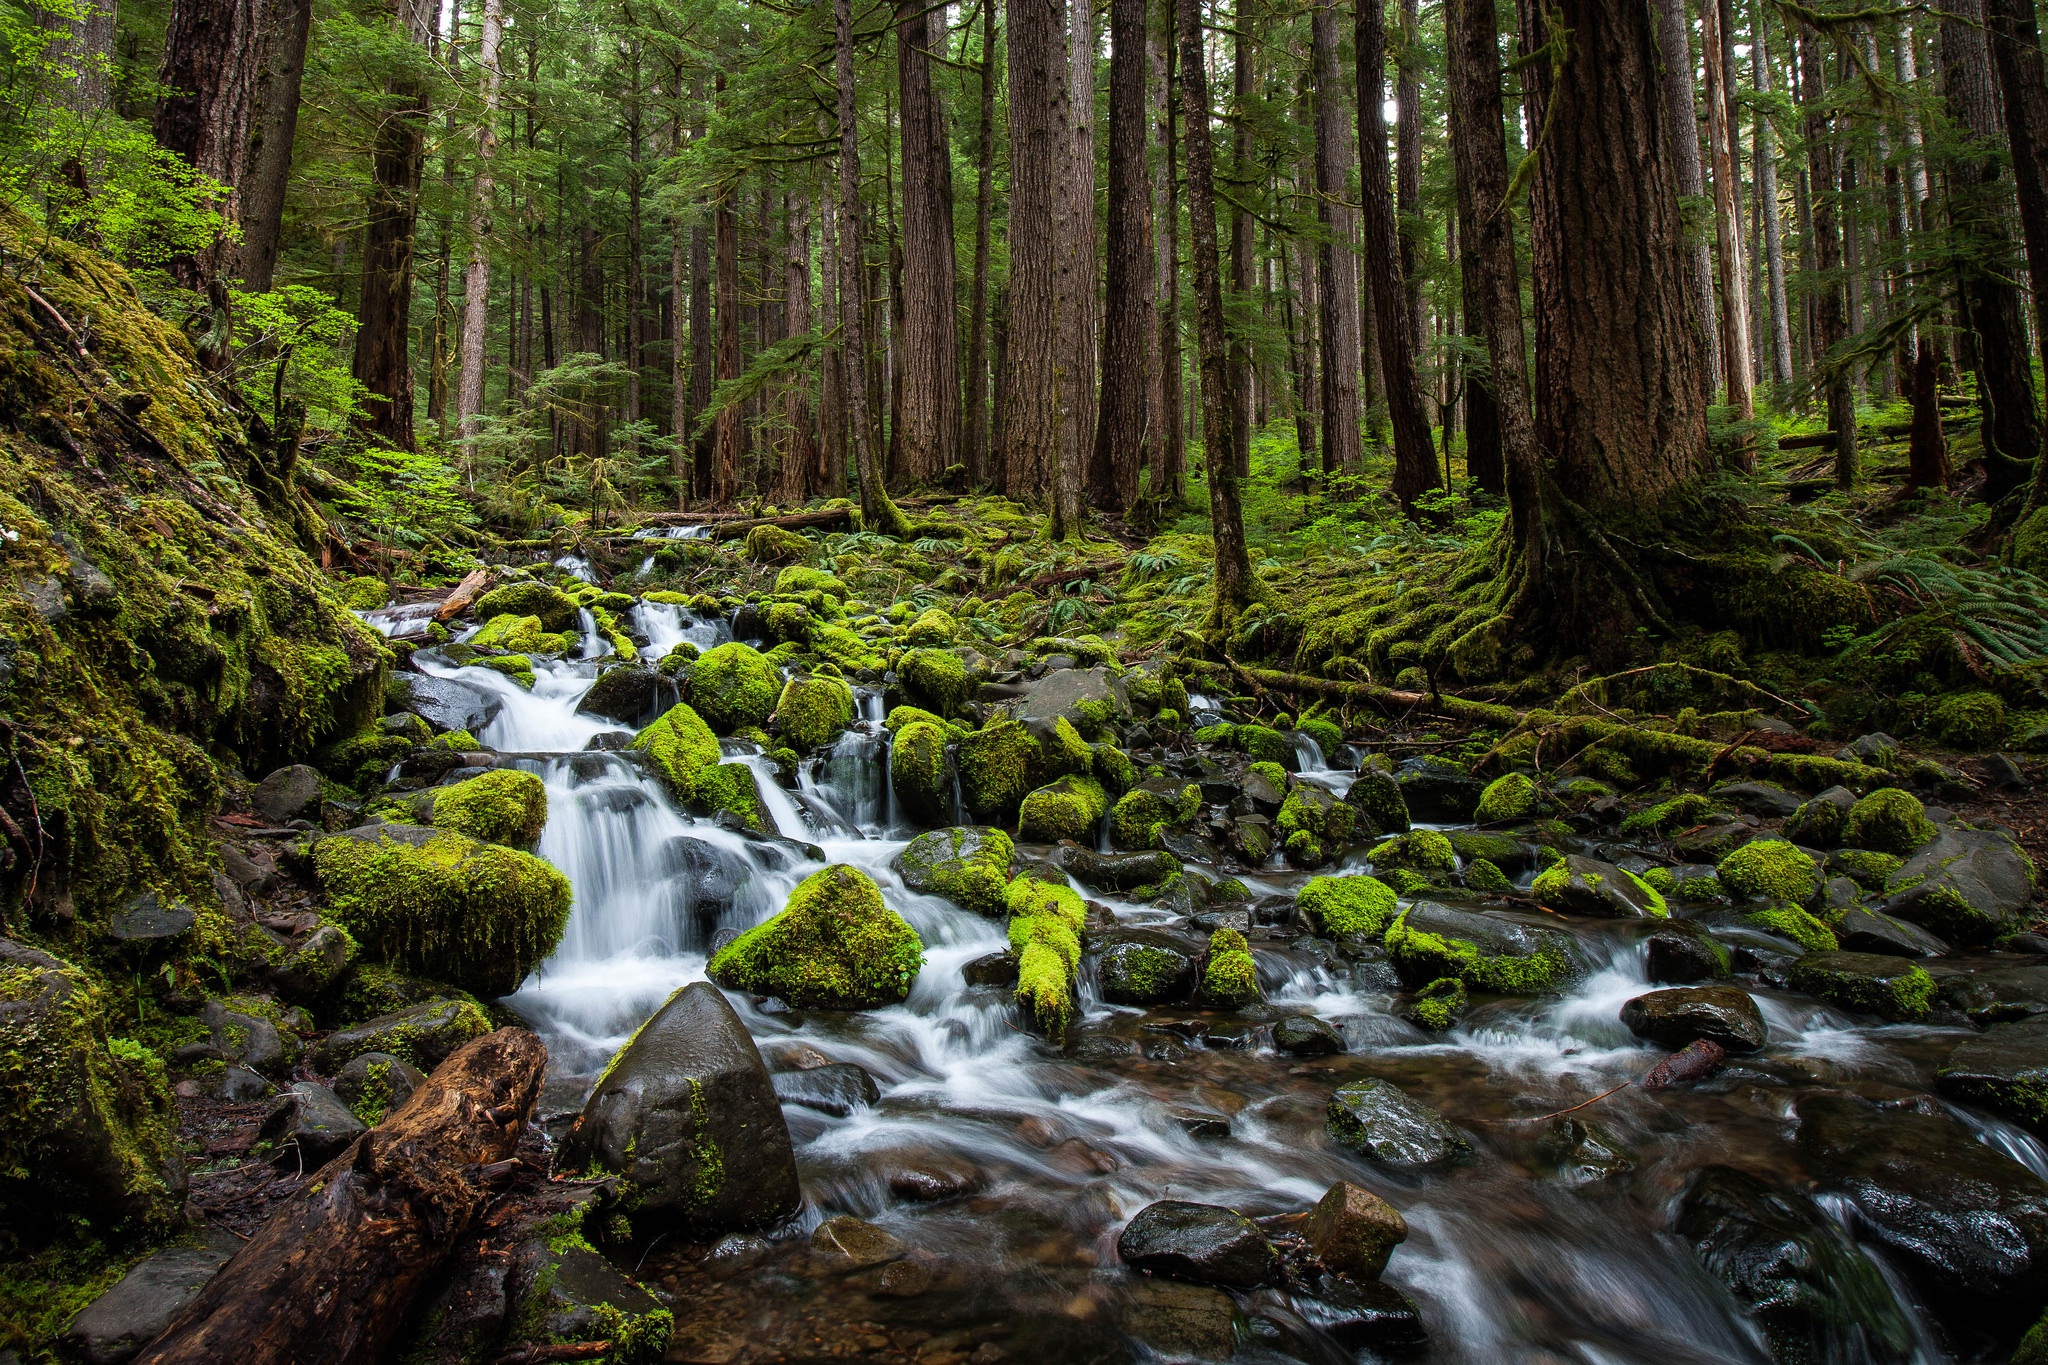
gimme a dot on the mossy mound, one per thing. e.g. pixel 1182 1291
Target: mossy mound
pixel 932 627
pixel 504 806
pixel 1970 720
pixel 555 608
pixel 1770 869
pixel 1230 979
pixel 1889 987
pixel 813 711
pixel 996 764
pixel 1327 736
pixel 364 594
pixel 920 773
pixel 798 579
pixel 1045 932
pixel 1888 820
pixel 1509 797
pixel 1422 850
pixel 935 679
pixel 1314 826
pixel 1379 801
pixel 969 866
pixel 734 687
pixel 1142 816
pixel 444 905
pixel 835 946
pixel 1796 924
pixel 519 635
pixel 774 545
pixel 1066 809
pixel 1681 812
pixel 731 788
pixel 1428 942
pixel 680 746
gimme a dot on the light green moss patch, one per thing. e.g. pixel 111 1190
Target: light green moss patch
pixel 1342 906
pixel 503 806
pixel 834 946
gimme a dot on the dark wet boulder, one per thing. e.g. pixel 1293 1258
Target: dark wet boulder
pixel 994 969
pixel 1815 1296
pixel 114 1327
pixel 1378 1119
pixel 1965 1221
pixel 1766 799
pixel 1114 871
pixel 1994 988
pixel 1353 1231
pixel 423 1034
pixel 288 794
pixel 1369 1316
pixel 1969 886
pixel 1304 1035
pixel 1438 789
pixel 248 1039
pixel 1145 966
pixel 309 1126
pixel 1872 931
pixel 1819 823
pixel 1582 1151
pixel 1681 952
pixel 687 1112
pixel 1869 983
pixel 1086 698
pixel 375 1084
pixel 838 1088
pixel 445 703
pixel 2005 1071
pixel 1488 952
pixel 1204 1243
pixel 148 924
pixel 1673 1018
pixel 629 694
pixel 931 1176
pixel 1586 886
pixel 1377 797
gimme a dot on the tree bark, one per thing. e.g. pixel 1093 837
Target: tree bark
pixel 1076 289
pixel 800 472
pixel 329 1279
pixel 1765 163
pixel 1041 144
pixel 84 46
pixel 383 363
pixel 1336 266
pixel 476 280
pixel 929 354
pixel 1674 41
pixel 1130 322
pixel 1729 254
pixel 1234 584
pixel 832 371
pixel 1169 480
pixel 1408 173
pixel 727 437
pixel 1415 469
pixel 1831 325
pixel 212 71
pixel 977 440
pixel 2016 54
pixel 1483 459
pixel 1241 231
pixel 286 24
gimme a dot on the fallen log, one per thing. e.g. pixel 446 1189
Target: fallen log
pixel 1457 708
pixel 330 1278
pixel 1814 440
pixel 466 592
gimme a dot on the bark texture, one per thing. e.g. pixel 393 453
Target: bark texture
pixel 1040 143
pixel 928 349
pixel 1336 265
pixel 1130 322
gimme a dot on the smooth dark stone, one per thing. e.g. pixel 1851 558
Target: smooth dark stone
pixel 1304 1035
pixel 311 1119
pixel 1380 1120
pixel 115 1327
pixel 1673 1018
pixel 1204 1243
pixel 837 1089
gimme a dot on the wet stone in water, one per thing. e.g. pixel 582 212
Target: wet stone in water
pixel 837 1088
pixel 1673 1018
pixel 1583 1151
pixel 1304 1035
pixel 1377 1119
pixel 1364 1316
pixel 1353 1231
pixel 846 1243
pixel 1204 1243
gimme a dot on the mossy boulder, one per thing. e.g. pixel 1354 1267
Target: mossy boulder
pixel 1143 814
pixel 1575 885
pixel 1790 921
pixel 423 1034
pixel 734 687
pixel 1343 906
pixel 935 679
pixel 1381 806
pixel 503 806
pixel 834 946
pixel 1067 809
pixel 516 635
pixel 996 764
pixel 732 789
pixel 1770 869
pixel 1145 967
pixel 1969 886
pixel 1061 750
pixel 813 711
pixel 365 594
pixel 1422 850
pixel 442 904
pixel 685 755
pixel 556 609
pixel 775 545
pixel 1429 942
pixel 1970 720
pixel 1512 796
pixel 1888 820
pixel 1869 983
pixel 798 579
pixel 1314 826
pixel 1045 933
pixel 933 626
pixel 1230 979
pixel 921 771
pixel 968 865
pixel 1681 812
pixel 1821 822
pixel 87 1128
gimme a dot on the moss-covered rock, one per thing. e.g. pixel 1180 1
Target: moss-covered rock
pixel 1770 869
pixel 1143 815
pixel 443 904
pixel 423 1034
pixel 996 764
pixel 732 789
pixel 1437 1005
pixel 1681 812
pixel 517 667
pixel 921 772
pixel 814 711
pixel 1061 751
pixel 503 806
pixel 1889 987
pixel 1066 809
pixel 969 866
pixel 1512 796
pixel 1045 933
pixel 1429 941
pixel 556 609
pixel 1327 736
pixel 797 579
pixel 1314 825
pixel 935 679
pixel 1379 801
pixel 933 626
pixel 1888 820
pixel 1575 885
pixel 86 1121
pixel 1794 923
pixel 1422 850
pixel 733 687
pixel 775 545
pixel 1230 979
pixel 365 594
pixel 679 746
pixel 1969 886
pixel 1970 720
pixel 1343 906
pixel 900 716
pixel 835 946
pixel 1821 822
pixel 1113 769
pixel 516 635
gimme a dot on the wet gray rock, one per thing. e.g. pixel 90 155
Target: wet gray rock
pixel 1368 1316
pixel 148 922
pixel 1145 967
pixel 1438 790
pixel 1180 1321
pixel 1682 952
pixel 932 1177
pixel 1353 1231
pixel 1074 693
pixel 310 1126
pixel 847 1243
pixel 1993 988
pixel 288 794
pixel 1766 799
pixel 1819 823
pixel 2005 1071
pixel 1869 983
pixel 1596 889
pixel 1304 1035
pixel 630 695
pixel 1380 1120
pixel 837 1088
pixel 114 1327
pixel 1582 1151
pixel 583 1297
pixel 1815 1296
pixel 996 969
pixel 443 703
pixel 1967 1223
pixel 1265 796
pixel 705 876
pixel 1871 931
pixel 424 1033
pixel 1673 1018
pixel 688 1113
pixel 1204 1243
pixel 377 1081
pixel 1114 871
pixel 1968 886
pixel 247 1039
pixel 1877 749
pixel 240 1085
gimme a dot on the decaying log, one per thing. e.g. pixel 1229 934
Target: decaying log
pixel 330 1278
pixel 1457 708
pixel 466 592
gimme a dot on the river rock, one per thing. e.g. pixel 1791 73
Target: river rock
pixel 585 1298
pixel 1872 931
pixel 423 1034
pixel 1993 988
pixel 846 1243
pixel 1966 1222
pixel 1583 1151
pixel 1114 871
pixel 1380 1120
pixel 1870 983
pixel 1766 799
pixel 1803 1281
pixel 2005 1071
pixel 1085 697
pixel 247 1039
pixel 1969 886
pixel 1369 1316
pixel 148 922
pixel 1377 798
pixel 377 1082
pixel 1587 886
pixel 1438 790
pixel 1877 749
pixel 1145 967
pixel 994 969
pixel 288 794
pixel 1200 1242
pixel 1673 1018
pixel 1180 1321
pixel 706 877
pixel 114 1327
pixel 1353 1231
pixel 968 865
pixel 444 703
pixel 837 1088
pixel 1304 1035
pixel 630 695
pixel 688 1113
pixel 310 1126
pixel 835 945
pixel 932 1177
pixel 1489 952
pixel 1681 952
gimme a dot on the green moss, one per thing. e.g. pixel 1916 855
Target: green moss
pixel 364 594
pixel 1045 928
pixel 1230 979
pixel 799 579
pixel 1667 817
pixel 1377 797
pixel 733 686
pixel 1113 769
pixel 2033 1348
pixel 1141 817
pixel 901 716
pixel 1481 875
pixel 1273 773
pixel 41 1293
pixel 1770 869
pixel 1263 743
pixel 996 764
pixel 1027 897
pixel 680 746
pixel 1817 824
pixel 1066 809
pixel 932 627
pixel 1328 737
pixel 1044 988
pixel 556 610
pixel 503 806
pixel 515 635
pixel 1419 954
pixel 1342 906
pixel 935 679
pixel 448 907
pixel 1795 924
pixel 1060 750
pixel 1422 850
pixel 731 788
pixel 775 545
pixel 1437 1005
pixel 814 711
pixel 1971 720
pixel 835 945
pixel 1889 821
pixel 1509 797
pixel 1898 991
pixel 1866 869
pixel 970 867
pixel 517 667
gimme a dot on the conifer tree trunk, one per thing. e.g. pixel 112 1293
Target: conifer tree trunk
pixel 727 438
pixel 1234 584
pixel 1674 40
pixel 1130 323
pixel 1301 309
pixel 800 460
pixel 929 353
pixel 1831 322
pixel 680 412
pixel 1765 161
pixel 702 350
pixel 83 43
pixel 2016 53
pixel 977 436
pixel 476 280
pixel 286 24
pixel 1415 468
pixel 383 361
pixel 1076 289
pixel 1483 458
pixel 1408 172
pixel 1170 476
pixel 832 372
pixel 212 71
pixel 1729 254
pixel 1241 231
pixel 1336 267
pixel 1040 148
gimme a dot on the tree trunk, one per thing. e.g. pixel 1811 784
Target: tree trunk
pixel 1729 254
pixel 1336 266
pixel 1765 163
pixel 2016 56
pixel 1830 318
pixel 476 280
pixel 1076 288
pixel 1170 476
pixel 1408 172
pixel 1234 583
pixel 1674 41
pixel 977 439
pixel 84 46
pixel 1130 322
pixel 727 438
pixel 383 363
pixel 832 370
pixel 800 454
pixel 1483 459
pixel 286 24
pixel 1300 310
pixel 212 70
pixel 1041 145
pixel 330 1278
pixel 877 512
pixel 1415 470
pixel 1241 231
pixel 929 356
pixel 702 347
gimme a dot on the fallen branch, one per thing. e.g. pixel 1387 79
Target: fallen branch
pixel 331 1277
pixel 566 1350
pixel 466 592
pixel 1558 1114
pixel 1457 708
